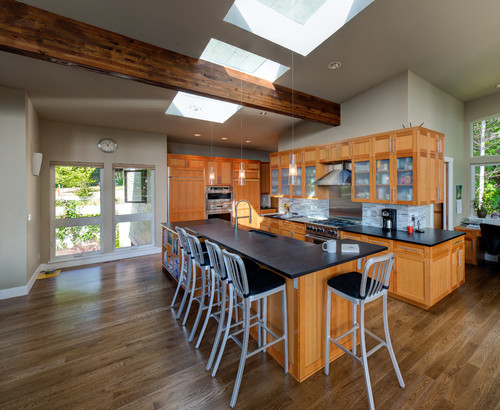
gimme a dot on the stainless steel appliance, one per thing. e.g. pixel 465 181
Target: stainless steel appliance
pixel 321 230
pixel 219 202
pixel 389 219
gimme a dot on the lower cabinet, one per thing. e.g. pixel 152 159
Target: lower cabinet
pixel 423 275
pixel 290 229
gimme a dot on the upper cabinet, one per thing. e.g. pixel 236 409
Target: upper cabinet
pixel 222 168
pixel 398 167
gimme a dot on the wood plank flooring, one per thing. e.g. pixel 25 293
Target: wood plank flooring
pixel 104 337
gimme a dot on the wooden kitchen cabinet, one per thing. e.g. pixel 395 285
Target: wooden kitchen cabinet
pixel 252 168
pixel 251 192
pixel 186 195
pixel 222 169
pixel 362 180
pixel 265 178
pixel 411 270
pixel 471 243
pixel 457 262
pixel 185 161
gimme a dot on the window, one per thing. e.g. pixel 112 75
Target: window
pixel 133 206
pixel 77 209
pixel 485 163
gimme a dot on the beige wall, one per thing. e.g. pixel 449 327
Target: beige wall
pixel 476 110
pixel 382 108
pixel 206 151
pixel 73 142
pixel 32 192
pixel 13 227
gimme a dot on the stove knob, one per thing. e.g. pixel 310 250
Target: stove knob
pixel 330 232
pixel 321 230
pixel 315 229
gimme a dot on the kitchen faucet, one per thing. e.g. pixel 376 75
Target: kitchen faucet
pixel 241 217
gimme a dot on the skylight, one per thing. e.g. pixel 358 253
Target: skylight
pixel 301 26
pixel 230 56
pixel 201 108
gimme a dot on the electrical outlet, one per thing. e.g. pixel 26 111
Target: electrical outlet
pixel 413 218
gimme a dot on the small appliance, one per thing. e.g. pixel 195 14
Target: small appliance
pixel 389 219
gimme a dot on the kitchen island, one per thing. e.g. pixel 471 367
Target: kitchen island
pixel 306 269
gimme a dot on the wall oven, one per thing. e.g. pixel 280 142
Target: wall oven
pixel 219 202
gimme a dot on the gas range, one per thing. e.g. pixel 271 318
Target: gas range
pixel 328 228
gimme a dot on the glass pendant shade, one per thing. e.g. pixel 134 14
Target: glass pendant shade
pixel 241 174
pixel 292 171
pixel 211 176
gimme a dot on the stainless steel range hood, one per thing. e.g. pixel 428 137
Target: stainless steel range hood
pixel 339 175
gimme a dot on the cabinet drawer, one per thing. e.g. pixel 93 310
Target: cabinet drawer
pixel 379 241
pixel 409 249
pixel 348 235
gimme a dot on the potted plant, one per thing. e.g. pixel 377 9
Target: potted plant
pixel 480 208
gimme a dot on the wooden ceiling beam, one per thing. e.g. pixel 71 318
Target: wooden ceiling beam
pixel 43 35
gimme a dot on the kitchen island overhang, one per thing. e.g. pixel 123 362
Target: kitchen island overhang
pixel 306 268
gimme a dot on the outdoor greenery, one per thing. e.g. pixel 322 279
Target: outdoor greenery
pixel 82 178
pixel 486 142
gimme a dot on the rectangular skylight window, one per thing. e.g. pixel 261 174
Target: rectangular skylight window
pixel 201 108
pixel 230 56
pixel 300 27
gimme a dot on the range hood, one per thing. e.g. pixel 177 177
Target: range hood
pixel 337 176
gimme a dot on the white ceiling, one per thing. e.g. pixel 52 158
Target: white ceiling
pixel 453 44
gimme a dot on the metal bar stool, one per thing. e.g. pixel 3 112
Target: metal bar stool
pixel 200 260
pixel 360 289
pixel 220 283
pixel 258 286
pixel 184 278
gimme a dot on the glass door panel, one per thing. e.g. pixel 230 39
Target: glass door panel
pixel 309 183
pixel 285 188
pixel 362 180
pixel 297 189
pixel 404 178
pixel 275 181
pixel 382 180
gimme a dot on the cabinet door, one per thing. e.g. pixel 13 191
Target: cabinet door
pixel 225 177
pixel 404 142
pixel 275 181
pixel 309 156
pixel 345 151
pixel 251 192
pixel 382 144
pixel 361 148
pixel 298 189
pixel 457 263
pixel 274 159
pixel 383 188
pixel 361 181
pixel 411 268
pixel 310 177
pixel 404 179
pixel 186 199
pixel 285 187
pixel 265 178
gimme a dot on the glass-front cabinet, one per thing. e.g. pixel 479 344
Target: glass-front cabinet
pixel 310 177
pixel 361 181
pixel 297 188
pixel 285 187
pixel 275 181
pixel 383 180
pixel 404 179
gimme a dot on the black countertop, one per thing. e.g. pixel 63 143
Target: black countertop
pixel 430 237
pixel 290 257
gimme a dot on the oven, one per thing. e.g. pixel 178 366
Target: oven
pixel 316 239
pixel 219 202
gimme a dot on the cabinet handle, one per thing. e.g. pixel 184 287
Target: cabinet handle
pixel 392 144
pixel 327 153
pixel 351 149
pixel 460 257
pixel 439 145
pixel 379 243
pixel 457 242
pixel 409 249
pixel 338 151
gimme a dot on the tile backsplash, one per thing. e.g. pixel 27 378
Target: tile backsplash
pixel 372 215
pixel 313 208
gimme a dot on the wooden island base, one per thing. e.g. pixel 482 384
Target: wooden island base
pixel 306 302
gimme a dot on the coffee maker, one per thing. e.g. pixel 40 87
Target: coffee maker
pixel 389 220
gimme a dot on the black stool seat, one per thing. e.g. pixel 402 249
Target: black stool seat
pixel 263 280
pixel 250 266
pixel 350 284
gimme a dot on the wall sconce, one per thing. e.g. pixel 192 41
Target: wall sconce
pixel 36 163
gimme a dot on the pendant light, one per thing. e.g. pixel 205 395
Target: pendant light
pixel 211 173
pixel 292 167
pixel 241 172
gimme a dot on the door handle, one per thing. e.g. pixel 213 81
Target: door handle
pixel 409 249
pixel 460 257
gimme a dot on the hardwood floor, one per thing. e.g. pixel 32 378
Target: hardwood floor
pixel 104 336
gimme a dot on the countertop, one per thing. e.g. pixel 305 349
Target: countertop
pixel 431 237
pixel 290 257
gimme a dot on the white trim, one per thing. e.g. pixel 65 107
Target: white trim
pixel 448 162
pixel 21 290
pixel 86 260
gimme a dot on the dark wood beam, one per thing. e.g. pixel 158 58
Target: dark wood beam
pixel 40 34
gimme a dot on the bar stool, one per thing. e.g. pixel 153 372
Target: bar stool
pixel 200 261
pixel 258 286
pixel 184 278
pixel 360 289
pixel 220 283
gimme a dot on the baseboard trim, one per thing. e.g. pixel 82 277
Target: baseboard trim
pixel 25 289
pixel 21 290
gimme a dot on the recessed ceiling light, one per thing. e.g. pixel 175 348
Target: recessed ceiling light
pixel 334 65
pixel 263 113
pixel 224 138
pixel 248 141
pixel 197 134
